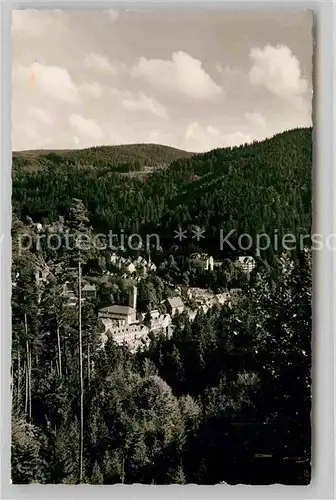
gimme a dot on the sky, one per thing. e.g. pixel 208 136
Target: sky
pixel 195 79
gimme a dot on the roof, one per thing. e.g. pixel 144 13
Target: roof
pixel 200 256
pixel 175 302
pixel 116 309
pixel 89 288
pixel 236 290
pixel 247 258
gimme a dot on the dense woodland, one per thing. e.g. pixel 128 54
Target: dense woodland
pixel 254 188
pixel 225 398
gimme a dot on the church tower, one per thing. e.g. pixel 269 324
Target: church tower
pixel 133 297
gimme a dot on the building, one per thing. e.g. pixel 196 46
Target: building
pixel 200 294
pixel 192 313
pixel 41 274
pixel 114 259
pixel 117 315
pixel 120 323
pixel 202 260
pixel 133 335
pixel 175 305
pixel 143 266
pixel 89 291
pixel 204 299
pixel 246 263
pixel 120 315
pixel 222 298
pixel 129 267
pixel 69 294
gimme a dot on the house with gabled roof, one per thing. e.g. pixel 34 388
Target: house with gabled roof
pixel 175 305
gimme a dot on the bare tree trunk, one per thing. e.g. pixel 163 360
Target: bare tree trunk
pixel 59 351
pixel 26 365
pixel 18 379
pixel 89 363
pixel 30 385
pixel 123 469
pixel 26 388
pixel 80 373
pixel 56 361
pixel 65 359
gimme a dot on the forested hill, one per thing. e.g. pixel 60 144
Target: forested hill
pixel 134 156
pixel 264 186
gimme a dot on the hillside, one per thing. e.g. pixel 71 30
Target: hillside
pixel 264 186
pixel 134 156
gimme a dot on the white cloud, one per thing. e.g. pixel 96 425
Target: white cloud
pixel 85 127
pixel 29 129
pixel 31 135
pixel 144 103
pixel 113 14
pixel 278 70
pixel 182 73
pixel 236 139
pixel 92 89
pixel 51 81
pixel 195 131
pixel 99 63
pixel 35 23
pixel 200 137
pixel 256 119
pixel 40 115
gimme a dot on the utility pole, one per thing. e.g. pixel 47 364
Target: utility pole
pixel 80 370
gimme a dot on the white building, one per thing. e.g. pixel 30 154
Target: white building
pixel 132 335
pixel 89 291
pixel 120 323
pixel 175 305
pixel 202 260
pixel 246 263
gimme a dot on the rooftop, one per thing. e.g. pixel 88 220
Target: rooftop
pixel 116 309
pixel 200 256
pixel 175 302
pixel 246 258
pixel 89 288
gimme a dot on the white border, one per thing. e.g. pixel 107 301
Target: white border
pixel 322 485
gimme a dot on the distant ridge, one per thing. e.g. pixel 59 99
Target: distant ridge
pixel 139 155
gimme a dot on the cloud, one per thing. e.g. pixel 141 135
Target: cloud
pixel 85 127
pixel 228 70
pixel 256 119
pixel 31 133
pixel 144 103
pixel 100 64
pixel 35 23
pixel 92 89
pixel 198 138
pixel 40 115
pixel 278 70
pixel 112 14
pixel 236 139
pixel 195 131
pixel 51 81
pixel 182 73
